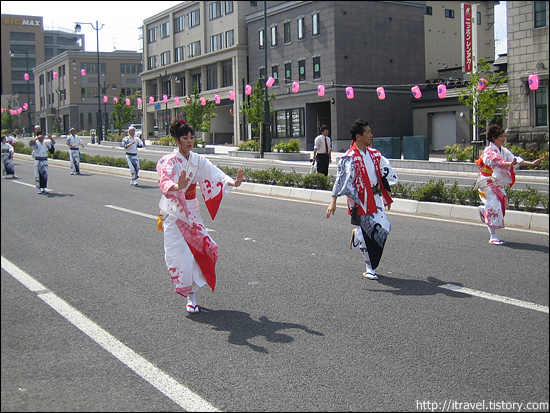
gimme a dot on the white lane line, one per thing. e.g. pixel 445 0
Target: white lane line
pixel 24 183
pixel 130 211
pixel 494 297
pixel 178 393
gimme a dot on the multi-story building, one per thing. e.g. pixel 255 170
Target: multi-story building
pixel 528 53
pixel 26 44
pixel 73 99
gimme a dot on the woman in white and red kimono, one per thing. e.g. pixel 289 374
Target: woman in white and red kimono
pixel 364 176
pixel 497 166
pixel 190 252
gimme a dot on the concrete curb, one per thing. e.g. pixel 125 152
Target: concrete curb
pixel 514 219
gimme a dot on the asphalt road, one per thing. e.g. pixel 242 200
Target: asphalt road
pixel 292 325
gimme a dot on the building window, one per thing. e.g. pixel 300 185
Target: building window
pixel 229 38
pixel 194 18
pixel 262 73
pixel 216 42
pixel 541 106
pixel 450 14
pixel 195 49
pixel 274 36
pixel 288 73
pixel 165 58
pixel 315 24
pixel 289 123
pixel 261 38
pixel 428 10
pixel 227 73
pixel 165 30
pixel 478 18
pixel 301 70
pixel 275 74
pixel 215 9
pixel 540 13
pixel 228 7
pixel 316 67
pixel 152 35
pixel 301 26
pixel 179 24
pixel 212 77
pixel 196 79
pixel 286 29
pixel 179 54
pixel 151 62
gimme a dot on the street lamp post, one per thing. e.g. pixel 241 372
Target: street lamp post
pixel 77 29
pixel 166 91
pixel 60 93
pixel 267 133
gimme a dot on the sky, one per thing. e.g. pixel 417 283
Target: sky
pixel 121 20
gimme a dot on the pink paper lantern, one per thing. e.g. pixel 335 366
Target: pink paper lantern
pixel 482 84
pixel 25 106
pixel 270 81
pixel 416 92
pixel 151 100
pixel 442 91
pixel 115 100
pixel 165 98
pixel 295 87
pixel 19 110
pixel 231 95
pixel 105 99
pixel 128 101
pixel 139 101
pixel 349 92
pixel 177 100
pixel 83 72
pixel 203 101
pixel 26 76
pixel 248 89
pixel 217 99
pixel 55 75
pixel 321 90
pixel 533 81
pixel 381 93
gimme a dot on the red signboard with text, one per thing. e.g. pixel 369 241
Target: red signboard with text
pixel 468 58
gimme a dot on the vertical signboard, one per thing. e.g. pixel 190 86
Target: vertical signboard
pixel 468 38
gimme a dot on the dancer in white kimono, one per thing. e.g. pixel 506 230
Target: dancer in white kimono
pixel 364 176
pixel 41 147
pixel 131 143
pixel 74 143
pixel 497 167
pixel 7 158
pixel 189 251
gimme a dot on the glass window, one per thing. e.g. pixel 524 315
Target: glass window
pixel 262 73
pixel 179 54
pixel 165 58
pixel 541 106
pixel 301 33
pixel 179 23
pixel 228 7
pixel 301 70
pixel 288 73
pixel 215 9
pixel 195 49
pixel 286 28
pixel 275 74
pixel 315 24
pixel 450 14
pixel 194 18
pixel 227 73
pixel 540 13
pixel 297 122
pixel 280 124
pixel 152 35
pixel 428 10
pixel 165 30
pixel 261 39
pixel 229 38
pixel 212 77
pixel 478 18
pixel 316 67
pixel 216 42
pixel 274 36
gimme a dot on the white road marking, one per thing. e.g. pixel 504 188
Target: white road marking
pixel 494 297
pixel 178 393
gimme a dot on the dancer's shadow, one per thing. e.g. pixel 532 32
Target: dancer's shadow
pixel 242 327
pixel 409 286
pixel 526 247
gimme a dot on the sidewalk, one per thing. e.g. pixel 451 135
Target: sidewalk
pixel 514 219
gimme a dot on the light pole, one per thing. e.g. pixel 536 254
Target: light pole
pixel 104 90
pixel 267 133
pixel 77 29
pixel 60 93
pixel 166 90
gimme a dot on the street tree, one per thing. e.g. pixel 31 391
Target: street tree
pixel 8 120
pixel 253 109
pixel 198 115
pixel 123 114
pixel 488 104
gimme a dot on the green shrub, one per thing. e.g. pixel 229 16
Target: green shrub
pixel 432 191
pixel 200 143
pixel 249 145
pixel 165 141
pixel 315 181
pixel 292 146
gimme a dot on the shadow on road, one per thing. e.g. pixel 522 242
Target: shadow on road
pixel 242 327
pixel 417 287
pixel 526 247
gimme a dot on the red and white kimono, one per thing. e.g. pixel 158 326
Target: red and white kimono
pixel 493 173
pixel 190 253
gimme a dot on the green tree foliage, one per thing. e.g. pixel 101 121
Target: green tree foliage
pixel 8 120
pixel 490 105
pixel 199 116
pixel 123 114
pixel 253 109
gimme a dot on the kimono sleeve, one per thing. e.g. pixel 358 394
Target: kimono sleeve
pixel 345 176
pixel 387 171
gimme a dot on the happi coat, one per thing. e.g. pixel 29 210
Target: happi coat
pixel 364 177
pixel 492 176
pixel 190 252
